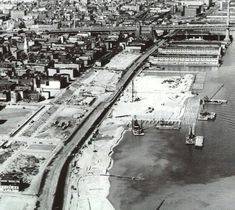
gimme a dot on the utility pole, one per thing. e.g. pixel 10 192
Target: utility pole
pixel 132 90
pixel 74 20
pixel 227 36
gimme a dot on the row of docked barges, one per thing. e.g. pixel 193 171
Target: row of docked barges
pixel 191 138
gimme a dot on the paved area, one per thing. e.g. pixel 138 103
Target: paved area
pixel 191 111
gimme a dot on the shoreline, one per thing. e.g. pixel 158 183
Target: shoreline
pixel 93 183
pixel 113 147
pixel 192 171
pixel 91 167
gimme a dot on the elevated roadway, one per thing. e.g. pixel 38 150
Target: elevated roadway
pixel 203 27
pixel 51 194
pixel 144 28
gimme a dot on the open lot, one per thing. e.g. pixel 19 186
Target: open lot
pixel 17 203
pixel 14 116
pixel 62 124
pixel 41 120
pixel 26 166
pixel 154 97
pixel 122 61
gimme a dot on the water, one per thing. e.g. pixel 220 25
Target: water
pixel 169 167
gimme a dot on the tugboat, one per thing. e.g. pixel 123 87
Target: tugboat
pixel 137 128
pixel 165 124
pixel 190 139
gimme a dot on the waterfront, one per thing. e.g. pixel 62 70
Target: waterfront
pixel 182 176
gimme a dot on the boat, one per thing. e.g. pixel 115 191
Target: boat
pixel 199 141
pixel 215 101
pixel 193 139
pixel 190 139
pixel 166 124
pixel 137 128
pixel 205 116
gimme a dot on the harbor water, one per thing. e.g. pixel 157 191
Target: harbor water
pixel 177 175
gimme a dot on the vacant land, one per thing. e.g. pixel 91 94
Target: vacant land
pixel 61 124
pixel 122 61
pixel 14 116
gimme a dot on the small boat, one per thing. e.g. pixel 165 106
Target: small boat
pixel 199 141
pixel 205 116
pixel 165 124
pixel 190 139
pixel 137 128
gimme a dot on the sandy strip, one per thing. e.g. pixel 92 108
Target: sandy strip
pixel 92 179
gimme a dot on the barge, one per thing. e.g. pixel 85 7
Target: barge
pixel 137 129
pixel 199 140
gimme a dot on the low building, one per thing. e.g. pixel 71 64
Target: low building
pixel 192 50
pixel 72 72
pixel 51 84
pixel 86 60
pixel 131 7
pixel 6 85
pixel 192 11
pixel 15 96
pixel 52 71
pixel 133 49
pixel 44 27
pixel 19 71
pixel 17 14
pixel 194 60
pixel 45 94
pixel 5 96
pixel 67 66
pixel 11 183
pixel 31 96
pixel 196 42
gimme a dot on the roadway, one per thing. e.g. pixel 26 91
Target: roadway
pixel 132 28
pixel 210 27
pixel 50 194
pixel 205 27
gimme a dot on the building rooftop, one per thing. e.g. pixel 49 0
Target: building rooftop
pixel 191 47
pixel 187 55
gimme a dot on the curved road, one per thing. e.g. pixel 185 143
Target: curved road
pixel 49 188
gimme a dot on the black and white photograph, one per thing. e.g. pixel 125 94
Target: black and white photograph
pixel 117 105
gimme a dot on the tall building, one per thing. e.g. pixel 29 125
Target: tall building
pixel 25 45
